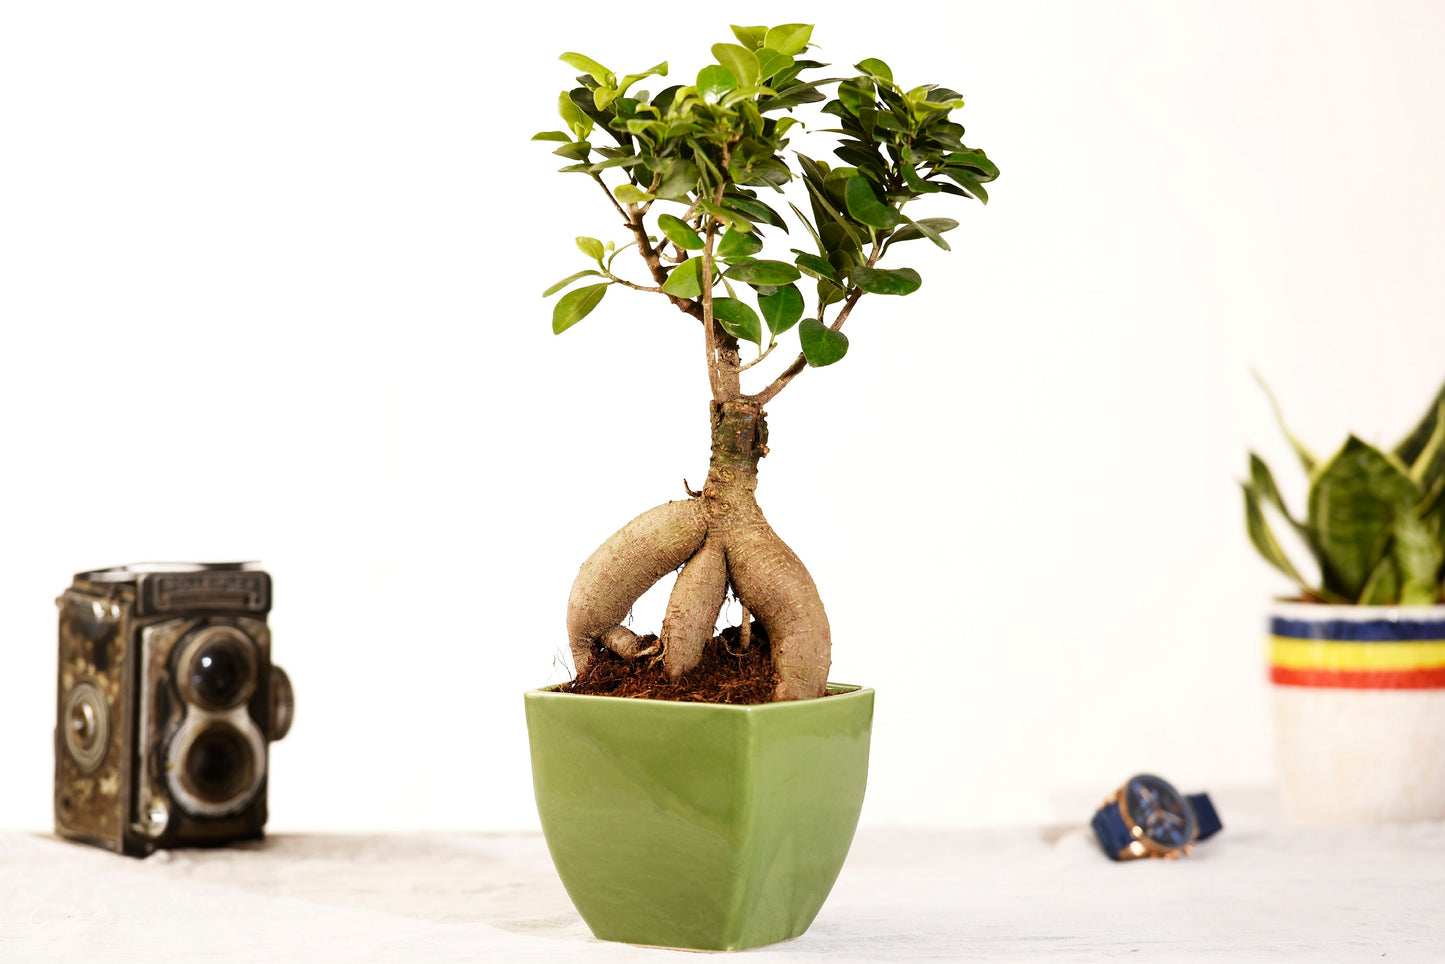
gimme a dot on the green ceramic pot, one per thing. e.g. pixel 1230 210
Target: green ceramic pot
pixel 699 825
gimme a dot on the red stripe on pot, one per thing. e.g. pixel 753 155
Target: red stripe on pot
pixel 1411 679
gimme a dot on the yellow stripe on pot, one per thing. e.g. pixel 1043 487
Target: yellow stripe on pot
pixel 1323 654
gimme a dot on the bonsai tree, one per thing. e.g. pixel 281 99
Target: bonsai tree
pixel 1375 523
pixel 696 174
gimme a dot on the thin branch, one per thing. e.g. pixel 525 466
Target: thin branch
pixel 801 362
pixel 626 219
pixel 765 354
pixel 632 220
pixel 636 287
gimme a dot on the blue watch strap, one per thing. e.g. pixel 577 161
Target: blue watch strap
pixel 1208 817
pixel 1110 829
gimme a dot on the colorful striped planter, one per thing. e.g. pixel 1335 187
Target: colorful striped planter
pixel 1359 699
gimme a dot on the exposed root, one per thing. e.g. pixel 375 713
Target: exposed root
pixel 626 566
pixel 772 582
pixel 627 644
pixel 692 609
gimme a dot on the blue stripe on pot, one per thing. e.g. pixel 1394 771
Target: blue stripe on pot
pixel 1372 631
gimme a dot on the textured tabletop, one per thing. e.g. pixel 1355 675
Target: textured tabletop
pixel 1257 891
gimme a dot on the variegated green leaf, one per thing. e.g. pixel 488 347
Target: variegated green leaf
pixel 1306 457
pixel 1418 555
pixel 1354 501
pixel 1264 540
pixel 1410 447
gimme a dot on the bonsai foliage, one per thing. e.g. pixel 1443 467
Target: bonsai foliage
pixel 1375 521
pixel 696 173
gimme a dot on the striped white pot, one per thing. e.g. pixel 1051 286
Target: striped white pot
pixel 1359 703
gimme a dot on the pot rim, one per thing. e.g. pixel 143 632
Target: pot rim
pixel 1340 612
pixel 834 690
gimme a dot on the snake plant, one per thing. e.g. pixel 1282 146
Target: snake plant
pixel 1375 522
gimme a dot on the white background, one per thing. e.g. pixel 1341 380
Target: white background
pixel 269 279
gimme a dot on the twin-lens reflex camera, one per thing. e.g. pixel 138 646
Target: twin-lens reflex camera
pixel 167 703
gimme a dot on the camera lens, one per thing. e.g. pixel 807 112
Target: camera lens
pixel 219 668
pixel 219 764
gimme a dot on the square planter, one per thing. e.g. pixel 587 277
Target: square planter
pixel 698 825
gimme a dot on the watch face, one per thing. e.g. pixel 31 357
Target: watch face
pixel 1162 812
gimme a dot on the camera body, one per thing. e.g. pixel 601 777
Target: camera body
pixel 166 706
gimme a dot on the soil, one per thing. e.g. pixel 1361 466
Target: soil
pixel 727 673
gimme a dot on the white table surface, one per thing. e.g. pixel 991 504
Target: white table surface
pixel 1260 890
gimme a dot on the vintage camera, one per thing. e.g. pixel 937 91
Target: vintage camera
pixel 167 703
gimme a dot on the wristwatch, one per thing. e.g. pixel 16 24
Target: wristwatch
pixel 1147 817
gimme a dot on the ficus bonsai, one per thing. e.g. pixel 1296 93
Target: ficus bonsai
pixel 1375 521
pixel 695 172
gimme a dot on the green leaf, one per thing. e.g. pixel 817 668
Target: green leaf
pixel 750 37
pixel 1306 457
pixel 679 233
pixel 631 160
pixel 591 247
pixel 770 63
pixel 679 179
pixel 976 161
pixel 630 194
pixel 864 206
pixel 856 94
pixel 966 180
pixel 1383 586
pixel 741 62
pixel 738 320
pixel 829 292
pixel 930 228
pixel 587 65
pixel 782 309
pixel 658 71
pixel 763 273
pixel 1429 463
pixel 814 265
pixel 736 245
pixel 876 68
pixel 889 121
pixel 576 119
pixel 915 183
pixel 1354 501
pixel 821 344
pixel 1262 481
pixel 756 210
pixel 577 151
pixel 576 305
pixel 789 38
pixel 1419 557
pixel 1410 447
pixel 684 282
pixel 568 280
pixel 552 136
pixel 809 225
pixel 883 281
pixel 603 97
pixel 713 81
pixel 1263 538
pixel 734 220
